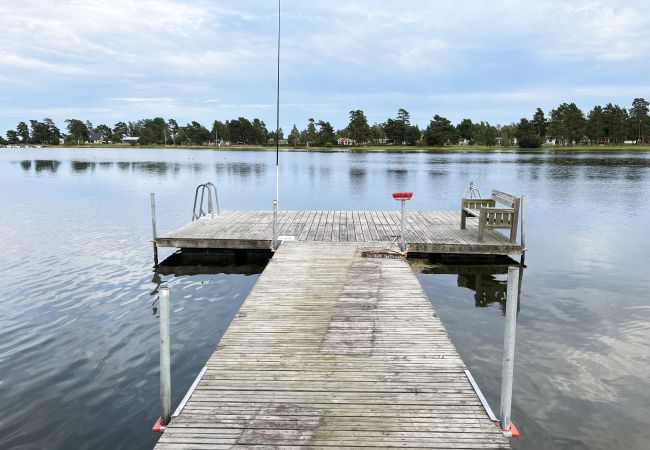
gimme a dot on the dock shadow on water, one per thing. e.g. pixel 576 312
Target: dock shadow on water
pixel 485 277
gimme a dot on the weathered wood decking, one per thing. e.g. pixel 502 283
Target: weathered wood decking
pixel 426 231
pixel 331 350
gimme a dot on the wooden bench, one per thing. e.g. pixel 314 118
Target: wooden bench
pixel 489 216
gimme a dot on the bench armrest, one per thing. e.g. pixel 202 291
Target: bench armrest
pixel 478 203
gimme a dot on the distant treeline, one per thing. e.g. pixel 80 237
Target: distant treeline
pixel 564 125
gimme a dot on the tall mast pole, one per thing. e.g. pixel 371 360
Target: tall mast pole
pixel 277 119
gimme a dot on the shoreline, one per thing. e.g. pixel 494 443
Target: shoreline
pixel 364 149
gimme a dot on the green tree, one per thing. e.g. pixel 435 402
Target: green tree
pixel 259 133
pixel 219 131
pixel 539 123
pixel 595 125
pixel 615 119
pixel 377 133
pixel 77 130
pixel 294 136
pixel 39 132
pixel 397 129
pixel 358 127
pixel 567 124
pixel 119 131
pixel 134 128
pixel 54 134
pixel 13 137
pixel 441 132
pixel 174 129
pixel 105 131
pixel 508 134
pixel 404 116
pixel 194 134
pixel 309 135
pixel 153 131
pixel 639 116
pixel 526 135
pixel 413 135
pixel 484 134
pixel 326 133
pixel 240 130
pixel 23 132
pixel 465 129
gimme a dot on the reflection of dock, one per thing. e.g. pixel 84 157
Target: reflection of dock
pixel 480 278
pixel 426 231
pixel 332 349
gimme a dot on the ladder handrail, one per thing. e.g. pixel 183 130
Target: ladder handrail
pixel 471 191
pixel 203 187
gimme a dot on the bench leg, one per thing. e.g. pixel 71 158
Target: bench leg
pixel 482 221
pixel 481 230
pixel 513 235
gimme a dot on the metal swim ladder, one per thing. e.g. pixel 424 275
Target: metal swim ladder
pixel 209 187
pixel 471 191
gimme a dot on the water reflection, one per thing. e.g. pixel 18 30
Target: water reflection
pixel 26 165
pixel 397 175
pixel 156 168
pixel 357 176
pixel 42 165
pixel 241 169
pixel 486 280
pixel 82 166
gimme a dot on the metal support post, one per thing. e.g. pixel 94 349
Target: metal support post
pixel 402 231
pixel 153 226
pixel 165 359
pixel 274 243
pixel 509 348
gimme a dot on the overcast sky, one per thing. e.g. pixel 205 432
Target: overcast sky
pixel 106 61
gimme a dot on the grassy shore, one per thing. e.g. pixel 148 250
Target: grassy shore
pixel 373 148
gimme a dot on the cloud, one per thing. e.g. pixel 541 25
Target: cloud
pixel 500 59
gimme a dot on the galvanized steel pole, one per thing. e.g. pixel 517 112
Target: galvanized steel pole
pixel 403 227
pixel 165 359
pixel 274 242
pixel 507 370
pixel 153 226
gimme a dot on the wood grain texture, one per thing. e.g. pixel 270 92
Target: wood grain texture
pixel 332 350
pixel 426 231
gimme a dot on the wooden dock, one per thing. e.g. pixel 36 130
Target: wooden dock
pixel 331 350
pixel 426 231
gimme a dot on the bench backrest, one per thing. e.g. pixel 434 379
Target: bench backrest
pixel 505 199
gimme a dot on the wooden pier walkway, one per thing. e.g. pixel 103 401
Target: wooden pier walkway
pixel 426 231
pixel 332 350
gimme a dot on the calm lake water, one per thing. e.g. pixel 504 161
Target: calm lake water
pixel 79 327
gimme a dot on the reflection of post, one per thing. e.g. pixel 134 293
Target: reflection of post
pixel 509 347
pixel 274 242
pixel 153 225
pixel 165 359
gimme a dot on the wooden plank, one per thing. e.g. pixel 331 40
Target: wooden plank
pixel 334 350
pixel 427 231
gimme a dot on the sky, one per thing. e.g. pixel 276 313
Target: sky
pixel 497 61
